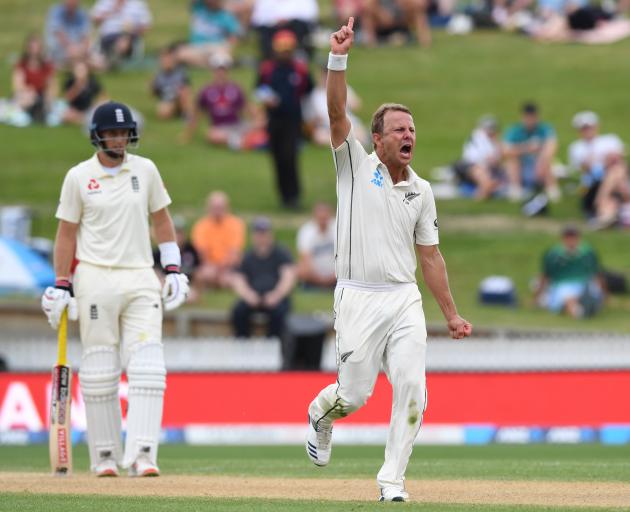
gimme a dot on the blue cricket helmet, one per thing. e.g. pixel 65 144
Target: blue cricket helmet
pixel 111 116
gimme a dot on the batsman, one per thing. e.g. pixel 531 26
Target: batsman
pixel 385 215
pixel 106 206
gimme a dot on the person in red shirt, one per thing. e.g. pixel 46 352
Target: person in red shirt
pixel 34 80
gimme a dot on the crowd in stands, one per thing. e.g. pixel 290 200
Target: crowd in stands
pixel 56 80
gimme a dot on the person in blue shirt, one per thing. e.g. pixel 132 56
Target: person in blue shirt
pixel 529 148
pixel 212 30
pixel 67 33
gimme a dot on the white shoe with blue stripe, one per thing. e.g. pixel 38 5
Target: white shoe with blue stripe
pixel 318 442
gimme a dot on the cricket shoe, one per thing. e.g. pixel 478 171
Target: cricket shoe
pixel 318 442
pixel 393 494
pixel 106 468
pixel 143 467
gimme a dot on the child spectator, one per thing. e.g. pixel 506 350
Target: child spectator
pixel 33 80
pixel 171 86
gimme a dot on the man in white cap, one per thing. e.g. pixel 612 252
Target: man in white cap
pixel 600 159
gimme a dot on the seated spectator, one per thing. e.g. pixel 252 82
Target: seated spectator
pixel 122 24
pixel 570 280
pixel 315 113
pixel 33 80
pixel 219 238
pixel 529 148
pixel 299 16
pixel 224 102
pixel 263 283
pixel 67 33
pixel 171 86
pixel 316 249
pixel 480 165
pixel 81 90
pixel 601 160
pixel 190 259
pixel 212 30
pixel 383 17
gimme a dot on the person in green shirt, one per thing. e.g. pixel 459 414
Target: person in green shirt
pixel 570 280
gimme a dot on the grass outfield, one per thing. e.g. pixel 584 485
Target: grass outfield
pixel 448 88
pixel 504 466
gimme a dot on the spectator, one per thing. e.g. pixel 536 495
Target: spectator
pixel 529 148
pixel 383 17
pixel 212 30
pixel 316 249
pixel 601 160
pixel 190 259
pixel 67 33
pixel 315 110
pixel 480 165
pixel 242 9
pixel 219 238
pixel 263 282
pixel 171 86
pixel 282 83
pixel 271 16
pixel 571 279
pixel 224 102
pixel 33 80
pixel 80 91
pixel 122 24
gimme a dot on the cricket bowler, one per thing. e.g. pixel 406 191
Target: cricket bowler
pixel 386 213
pixel 104 212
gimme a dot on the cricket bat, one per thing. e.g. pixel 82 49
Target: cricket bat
pixel 60 438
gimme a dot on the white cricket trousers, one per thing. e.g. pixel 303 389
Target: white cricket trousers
pixel 379 325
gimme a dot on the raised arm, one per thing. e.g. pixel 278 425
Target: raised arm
pixel 336 87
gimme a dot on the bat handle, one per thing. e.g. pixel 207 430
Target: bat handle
pixel 62 339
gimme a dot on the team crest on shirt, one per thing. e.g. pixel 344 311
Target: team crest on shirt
pixel 410 196
pixel 377 179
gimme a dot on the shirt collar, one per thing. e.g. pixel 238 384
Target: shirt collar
pixel 411 175
pixel 102 173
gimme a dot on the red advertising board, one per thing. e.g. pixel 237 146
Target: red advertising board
pixel 502 399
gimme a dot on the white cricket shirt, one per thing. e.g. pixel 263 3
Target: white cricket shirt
pixel 594 151
pixel 113 211
pixel 379 223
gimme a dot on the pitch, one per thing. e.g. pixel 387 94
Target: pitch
pixel 498 477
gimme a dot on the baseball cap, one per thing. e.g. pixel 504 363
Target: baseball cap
pixel 284 40
pixel 488 122
pixel 261 223
pixel 585 118
pixel 220 60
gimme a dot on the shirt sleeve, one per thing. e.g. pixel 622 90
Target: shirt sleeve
pixel 238 241
pixel 284 257
pixel 576 156
pixel 349 155
pixel 548 132
pixel 70 203
pixel 426 232
pixel 158 196
pixel 510 136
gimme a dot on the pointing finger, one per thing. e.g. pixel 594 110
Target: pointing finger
pixel 350 23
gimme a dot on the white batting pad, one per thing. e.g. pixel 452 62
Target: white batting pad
pixel 147 381
pixel 99 376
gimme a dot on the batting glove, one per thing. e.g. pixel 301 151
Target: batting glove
pixel 175 290
pixel 56 299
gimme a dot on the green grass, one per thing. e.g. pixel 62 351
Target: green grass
pixel 447 88
pixel 57 503
pixel 594 462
